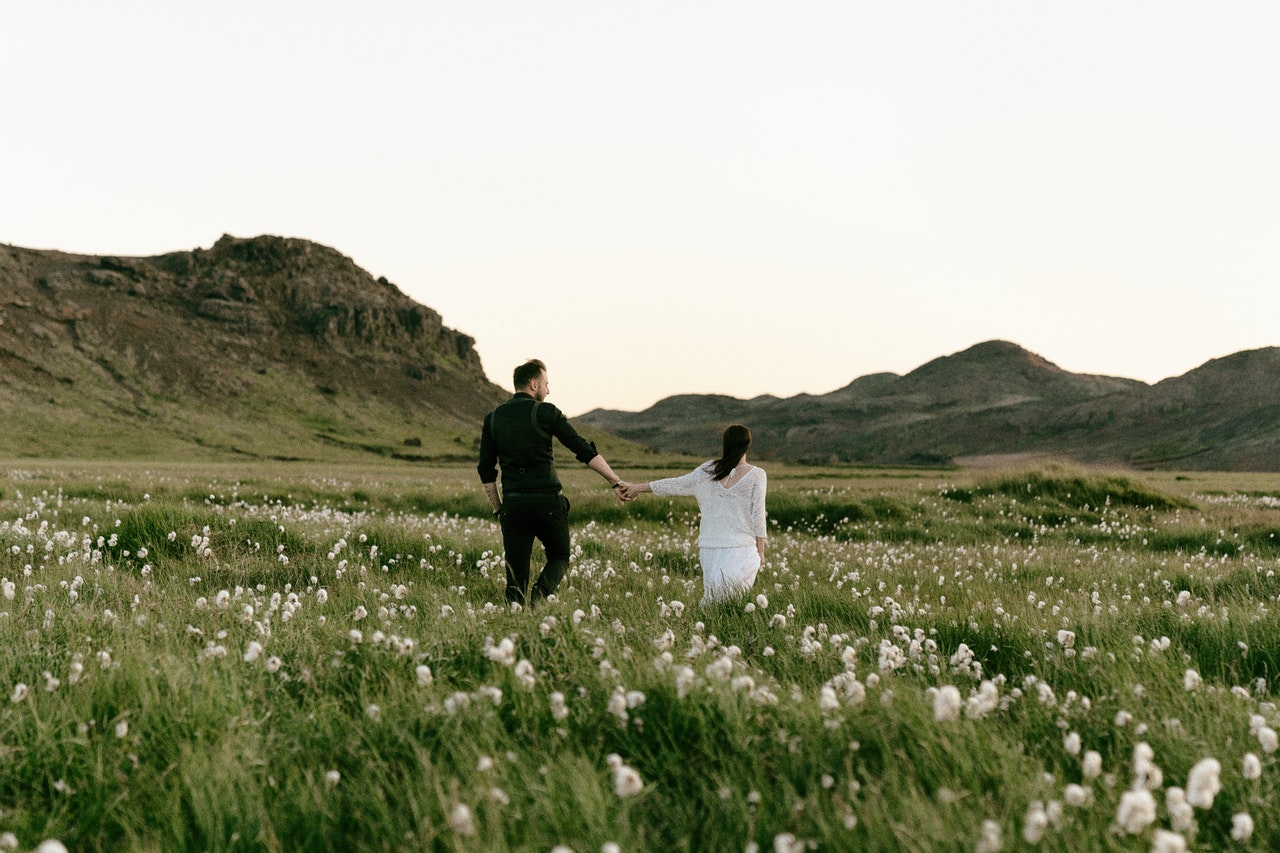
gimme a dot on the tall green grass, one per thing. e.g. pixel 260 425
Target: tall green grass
pixel 804 709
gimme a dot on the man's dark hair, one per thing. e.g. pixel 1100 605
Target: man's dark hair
pixel 527 372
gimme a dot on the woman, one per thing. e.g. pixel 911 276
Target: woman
pixel 732 534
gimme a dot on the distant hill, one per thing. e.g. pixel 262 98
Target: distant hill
pixel 267 347
pixel 998 400
pixel 271 347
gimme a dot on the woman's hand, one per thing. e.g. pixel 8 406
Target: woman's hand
pixel 631 491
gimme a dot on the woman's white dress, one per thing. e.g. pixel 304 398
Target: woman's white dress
pixel 733 517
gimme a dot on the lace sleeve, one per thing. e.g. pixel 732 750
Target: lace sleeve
pixel 686 485
pixel 759 519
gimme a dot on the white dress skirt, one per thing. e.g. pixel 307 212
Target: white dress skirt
pixel 728 572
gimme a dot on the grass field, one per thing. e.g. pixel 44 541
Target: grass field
pixel 290 657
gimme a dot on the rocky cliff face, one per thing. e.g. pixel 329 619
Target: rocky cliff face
pixel 258 317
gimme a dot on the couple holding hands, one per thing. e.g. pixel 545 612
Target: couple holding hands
pixel 516 438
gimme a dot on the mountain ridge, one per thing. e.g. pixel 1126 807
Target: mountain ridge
pixel 278 347
pixel 995 399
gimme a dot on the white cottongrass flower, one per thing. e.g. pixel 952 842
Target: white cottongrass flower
pixel 332 778
pixel 1203 783
pixel 1071 743
pixel 504 652
pixel 990 840
pixel 1091 764
pixel 8 841
pixel 1035 822
pixel 1145 772
pixel 626 781
pixel 122 728
pixel 946 703
pixel 424 675
pixel 373 712
pixel 461 820
pixel 1241 826
pixel 273 664
pixel 50 845
pixel 524 673
pixel 1164 841
pixel 1137 811
pixel 1077 796
pixel 559 709
pixel 785 842
pixel 1182 817
pixel 1191 680
pixel 252 651
pixel 618 704
pixel 484 763
pixel 1268 739
pixel 19 693
pixel 1252 768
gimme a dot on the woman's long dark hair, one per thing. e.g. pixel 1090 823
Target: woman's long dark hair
pixel 737 439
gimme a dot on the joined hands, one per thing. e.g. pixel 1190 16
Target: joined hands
pixel 629 492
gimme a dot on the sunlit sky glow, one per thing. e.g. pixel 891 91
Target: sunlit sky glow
pixel 690 197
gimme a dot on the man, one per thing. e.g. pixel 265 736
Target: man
pixel 516 437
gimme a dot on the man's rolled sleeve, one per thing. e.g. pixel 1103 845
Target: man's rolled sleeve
pixel 584 451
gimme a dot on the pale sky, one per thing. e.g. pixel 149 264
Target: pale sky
pixel 662 198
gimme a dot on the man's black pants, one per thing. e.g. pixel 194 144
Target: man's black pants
pixel 529 516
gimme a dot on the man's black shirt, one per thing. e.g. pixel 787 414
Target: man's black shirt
pixel 517 435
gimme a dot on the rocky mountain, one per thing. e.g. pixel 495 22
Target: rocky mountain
pixel 265 346
pixel 995 399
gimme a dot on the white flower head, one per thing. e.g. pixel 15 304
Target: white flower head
pixel 1182 817
pixel 1268 739
pixel 51 845
pixel 1164 841
pixel 990 841
pixel 461 820
pixel 1137 811
pixel 1203 783
pixel 626 781
pixel 1241 826
pixel 947 703
pixel 1035 822
pixel 1077 796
